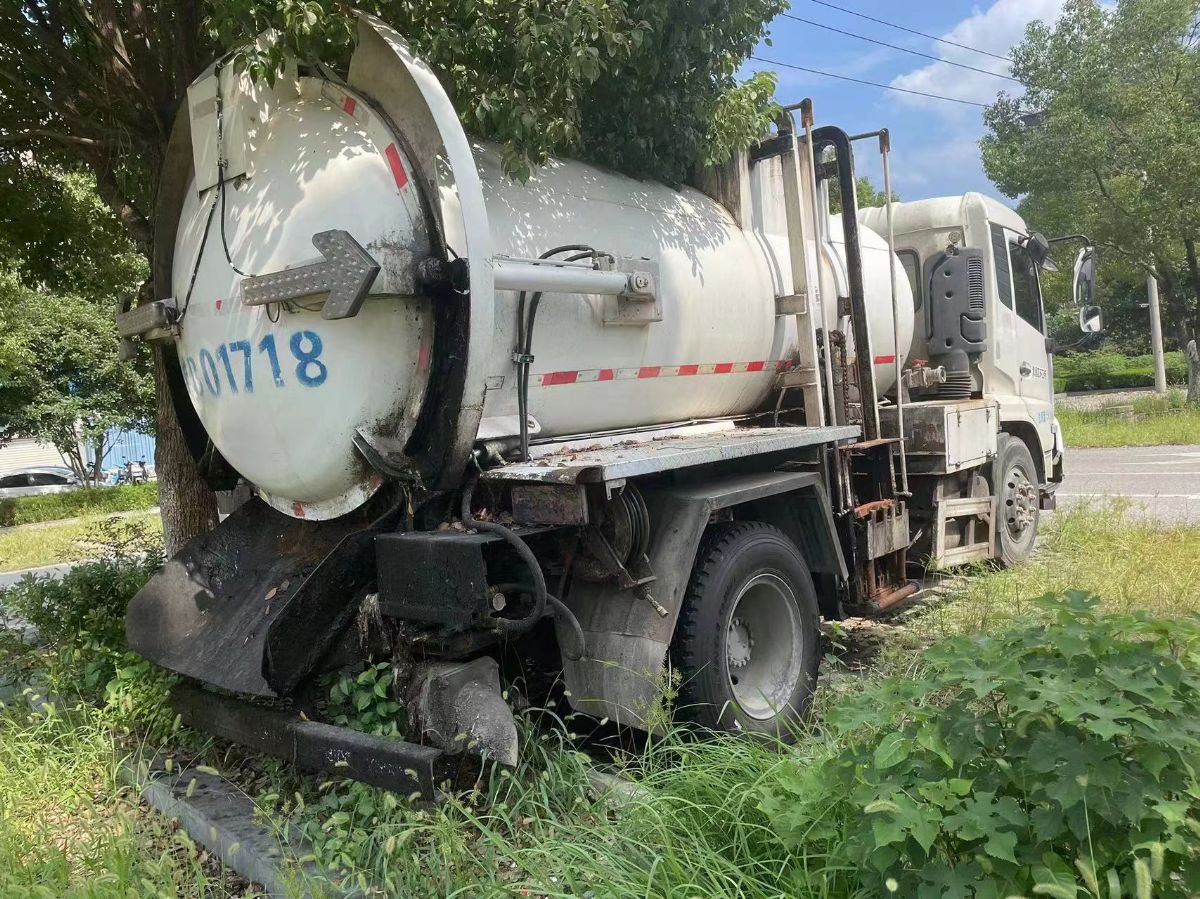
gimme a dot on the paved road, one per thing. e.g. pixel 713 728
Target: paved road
pixel 1160 481
pixel 8 578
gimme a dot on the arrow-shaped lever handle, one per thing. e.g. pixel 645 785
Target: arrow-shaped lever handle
pixel 346 274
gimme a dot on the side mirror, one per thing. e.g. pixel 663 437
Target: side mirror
pixel 1084 289
pixel 1091 319
pixel 1039 250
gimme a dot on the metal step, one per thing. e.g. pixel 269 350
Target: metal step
pixel 981 509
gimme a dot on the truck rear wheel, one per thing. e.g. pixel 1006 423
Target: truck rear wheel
pixel 748 643
pixel 1017 503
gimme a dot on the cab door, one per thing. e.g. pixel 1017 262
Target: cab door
pixel 1035 382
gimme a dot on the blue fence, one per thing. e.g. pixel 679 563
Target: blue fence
pixel 125 446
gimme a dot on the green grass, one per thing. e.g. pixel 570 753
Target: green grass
pixel 696 825
pixel 1153 421
pixel 34 546
pixel 69 830
pixel 77 503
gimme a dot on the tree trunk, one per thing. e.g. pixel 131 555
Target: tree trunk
pixel 188 506
pixel 1192 354
pixel 1175 303
pixel 97 462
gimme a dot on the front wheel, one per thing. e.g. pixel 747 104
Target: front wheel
pixel 747 643
pixel 1017 501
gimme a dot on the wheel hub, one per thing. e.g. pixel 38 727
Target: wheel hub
pixel 1020 501
pixel 740 643
pixel 764 642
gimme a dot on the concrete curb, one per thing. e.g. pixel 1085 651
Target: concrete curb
pixel 222 819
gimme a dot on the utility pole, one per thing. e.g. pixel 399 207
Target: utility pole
pixel 1160 362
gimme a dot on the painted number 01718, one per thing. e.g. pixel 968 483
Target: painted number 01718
pixel 232 366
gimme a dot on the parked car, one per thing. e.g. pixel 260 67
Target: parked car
pixel 36 481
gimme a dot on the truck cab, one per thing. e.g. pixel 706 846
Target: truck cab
pixel 1015 370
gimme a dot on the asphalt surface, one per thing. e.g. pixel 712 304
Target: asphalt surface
pixel 8 578
pixel 1160 482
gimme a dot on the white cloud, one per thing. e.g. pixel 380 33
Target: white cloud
pixel 996 30
pixel 946 158
pixel 923 170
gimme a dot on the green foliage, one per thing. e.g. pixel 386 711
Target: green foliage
pixel 1033 760
pixel 1108 370
pixel 364 702
pixel 88 602
pixel 58 236
pixel 865 193
pixel 71 830
pixel 89 501
pixel 62 378
pixel 646 87
pixel 1147 421
pixel 80 621
pixel 1105 140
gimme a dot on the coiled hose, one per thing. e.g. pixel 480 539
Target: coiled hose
pixel 541 596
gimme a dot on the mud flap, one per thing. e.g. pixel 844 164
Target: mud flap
pixel 252 605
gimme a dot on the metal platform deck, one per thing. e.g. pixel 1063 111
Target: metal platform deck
pixel 632 455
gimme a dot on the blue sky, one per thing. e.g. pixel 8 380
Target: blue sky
pixel 934 143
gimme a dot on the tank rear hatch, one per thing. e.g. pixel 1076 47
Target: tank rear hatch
pixel 314 187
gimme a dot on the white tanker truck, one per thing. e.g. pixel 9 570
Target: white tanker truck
pixel 624 428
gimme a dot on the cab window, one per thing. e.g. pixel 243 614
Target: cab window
pixel 1027 295
pixel 912 268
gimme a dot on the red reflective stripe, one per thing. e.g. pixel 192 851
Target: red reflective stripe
pixel 884 360
pixel 393 158
pixel 349 105
pixel 587 376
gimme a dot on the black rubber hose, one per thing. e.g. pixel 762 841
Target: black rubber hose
pixel 525 343
pixel 574 653
pixel 509 625
pixel 579 642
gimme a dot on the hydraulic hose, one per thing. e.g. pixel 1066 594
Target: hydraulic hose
pixel 540 594
pixel 525 338
pixel 575 651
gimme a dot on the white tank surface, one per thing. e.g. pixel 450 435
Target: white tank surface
pixel 876 258
pixel 282 390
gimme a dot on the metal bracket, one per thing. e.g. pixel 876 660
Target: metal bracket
pixel 792 304
pixel 639 303
pixel 153 322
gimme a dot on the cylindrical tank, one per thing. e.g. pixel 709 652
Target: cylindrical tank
pixel 283 392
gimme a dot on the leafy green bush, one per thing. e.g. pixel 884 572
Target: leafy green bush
pixel 80 620
pixel 1057 758
pixel 89 600
pixel 364 702
pixel 88 501
pixel 1110 371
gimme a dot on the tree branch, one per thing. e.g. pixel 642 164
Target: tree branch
pixel 132 219
pixel 32 134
